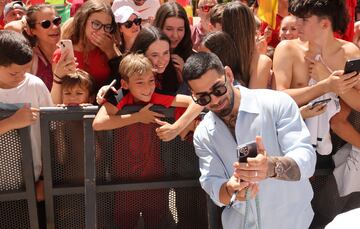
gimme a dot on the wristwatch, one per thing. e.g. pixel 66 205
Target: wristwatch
pixel 279 169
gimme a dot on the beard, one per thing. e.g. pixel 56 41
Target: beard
pixel 227 109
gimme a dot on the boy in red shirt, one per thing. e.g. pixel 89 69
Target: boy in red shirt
pixel 137 153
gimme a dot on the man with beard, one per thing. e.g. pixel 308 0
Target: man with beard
pixel 278 174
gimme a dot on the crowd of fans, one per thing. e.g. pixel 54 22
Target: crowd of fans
pixel 144 44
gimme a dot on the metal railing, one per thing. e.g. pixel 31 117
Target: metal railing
pixel 90 181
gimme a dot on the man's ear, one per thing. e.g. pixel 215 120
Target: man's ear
pixel 229 74
pixel 325 23
pixel 124 84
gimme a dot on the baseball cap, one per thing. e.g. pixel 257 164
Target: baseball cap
pixel 123 14
pixel 14 5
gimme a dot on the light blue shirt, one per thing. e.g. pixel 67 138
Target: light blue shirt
pixel 276 117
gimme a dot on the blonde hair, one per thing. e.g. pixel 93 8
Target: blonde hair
pixel 134 64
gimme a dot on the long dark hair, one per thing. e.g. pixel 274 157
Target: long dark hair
pixel 239 22
pixel 147 36
pixel 167 10
pixel 224 47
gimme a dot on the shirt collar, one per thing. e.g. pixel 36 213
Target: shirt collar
pixel 248 100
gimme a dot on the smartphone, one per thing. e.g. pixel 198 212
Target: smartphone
pixel 109 95
pixel 322 101
pixel 246 150
pixel 66 45
pixel 352 66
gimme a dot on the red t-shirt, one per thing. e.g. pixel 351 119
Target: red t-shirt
pixel 96 64
pixel 156 99
pixel 138 158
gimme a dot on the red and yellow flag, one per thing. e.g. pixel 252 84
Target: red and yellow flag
pixel 267 11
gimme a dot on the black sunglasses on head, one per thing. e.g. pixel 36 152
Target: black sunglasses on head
pixel 47 23
pixel 96 25
pixel 205 98
pixel 129 24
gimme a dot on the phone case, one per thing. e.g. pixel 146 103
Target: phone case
pixel 67 45
pixel 246 150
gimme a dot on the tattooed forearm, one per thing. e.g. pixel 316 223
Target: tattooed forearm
pixel 283 168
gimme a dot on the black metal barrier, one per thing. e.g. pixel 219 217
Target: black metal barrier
pixel 17 190
pixel 123 178
pixel 126 178
pixel 326 202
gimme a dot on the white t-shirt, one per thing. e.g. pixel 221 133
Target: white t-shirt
pixel 145 11
pixel 32 90
pixel 348 220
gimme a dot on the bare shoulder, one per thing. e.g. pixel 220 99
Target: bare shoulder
pixel 350 49
pixel 265 60
pixel 289 44
pixel 289 48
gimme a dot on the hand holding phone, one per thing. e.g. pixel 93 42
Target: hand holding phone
pixel 243 152
pixel 352 66
pixel 246 150
pixel 67 46
pixel 107 95
pixel 316 103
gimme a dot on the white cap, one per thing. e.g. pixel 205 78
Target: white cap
pixel 123 14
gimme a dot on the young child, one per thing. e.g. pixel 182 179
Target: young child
pixel 137 155
pixel 77 90
pixel 138 78
pixel 18 86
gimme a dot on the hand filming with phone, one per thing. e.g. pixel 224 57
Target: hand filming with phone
pixel 64 59
pixel 250 168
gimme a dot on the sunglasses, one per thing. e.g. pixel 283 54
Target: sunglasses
pixel 129 24
pixel 205 99
pixel 47 23
pixel 96 25
pixel 206 8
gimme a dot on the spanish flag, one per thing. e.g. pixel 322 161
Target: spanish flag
pixel 267 11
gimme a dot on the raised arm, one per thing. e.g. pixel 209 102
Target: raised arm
pixel 166 131
pixel 283 75
pixel 106 118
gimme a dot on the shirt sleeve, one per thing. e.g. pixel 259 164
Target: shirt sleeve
pixel 213 173
pixel 44 96
pixel 293 136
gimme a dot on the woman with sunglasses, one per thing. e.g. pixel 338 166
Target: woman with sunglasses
pixel 43 32
pixel 239 22
pixel 129 25
pixel 171 19
pixel 92 33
